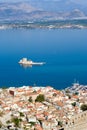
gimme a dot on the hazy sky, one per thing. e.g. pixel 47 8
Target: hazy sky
pixel 84 2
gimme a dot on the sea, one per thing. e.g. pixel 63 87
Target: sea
pixel 63 50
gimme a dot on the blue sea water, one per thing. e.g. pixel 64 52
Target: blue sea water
pixel 63 50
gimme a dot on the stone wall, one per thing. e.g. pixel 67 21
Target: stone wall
pixel 77 122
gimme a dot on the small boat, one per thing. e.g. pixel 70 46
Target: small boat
pixel 24 61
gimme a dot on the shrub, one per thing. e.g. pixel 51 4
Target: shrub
pixel 16 121
pixel 83 107
pixel 40 98
pixel 69 96
pixel 30 99
pixel 60 123
pixel 74 104
pixel 21 114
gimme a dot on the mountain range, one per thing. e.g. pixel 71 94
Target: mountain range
pixel 41 10
pixel 59 5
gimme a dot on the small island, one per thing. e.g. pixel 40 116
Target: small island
pixel 27 62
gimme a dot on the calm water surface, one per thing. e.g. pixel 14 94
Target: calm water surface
pixel 63 50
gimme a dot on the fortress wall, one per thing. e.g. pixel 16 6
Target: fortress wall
pixel 77 122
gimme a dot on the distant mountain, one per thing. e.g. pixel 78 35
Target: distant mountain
pixel 18 7
pixel 15 11
pixel 59 5
pixel 56 5
pixel 22 11
pixel 75 14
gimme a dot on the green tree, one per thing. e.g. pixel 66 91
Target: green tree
pixel 74 104
pixel 21 114
pixel 30 99
pixel 32 123
pixel 76 93
pixel 16 121
pixel 60 123
pixel 83 107
pixel 40 98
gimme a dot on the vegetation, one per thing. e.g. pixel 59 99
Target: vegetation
pixel 16 121
pixel 83 107
pixel 32 123
pixel 40 98
pixel 76 93
pixel 30 99
pixel 1 113
pixel 60 123
pixel 8 121
pixel 0 124
pixel 67 91
pixel 69 96
pixel 74 104
pixel 21 114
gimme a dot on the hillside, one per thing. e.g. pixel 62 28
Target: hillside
pixel 22 11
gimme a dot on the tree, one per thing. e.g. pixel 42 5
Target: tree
pixel 21 114
pixel 69 96
pixel 40 98
pixel 32 123
pixel 76 93
pixel 30 99
pixel 16 121
pixel 83 107
pixel 74 104
pixel 60 123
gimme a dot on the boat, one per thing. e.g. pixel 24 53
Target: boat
pixel 25 61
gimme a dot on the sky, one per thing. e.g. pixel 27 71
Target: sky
pixel 83 2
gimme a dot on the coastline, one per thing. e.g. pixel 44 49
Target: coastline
pixel 49 24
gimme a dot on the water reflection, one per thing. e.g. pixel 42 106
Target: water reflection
pixel 25 65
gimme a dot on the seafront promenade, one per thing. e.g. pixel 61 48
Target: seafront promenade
pixel 42 108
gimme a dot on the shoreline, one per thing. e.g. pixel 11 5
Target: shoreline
pixel 4 27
